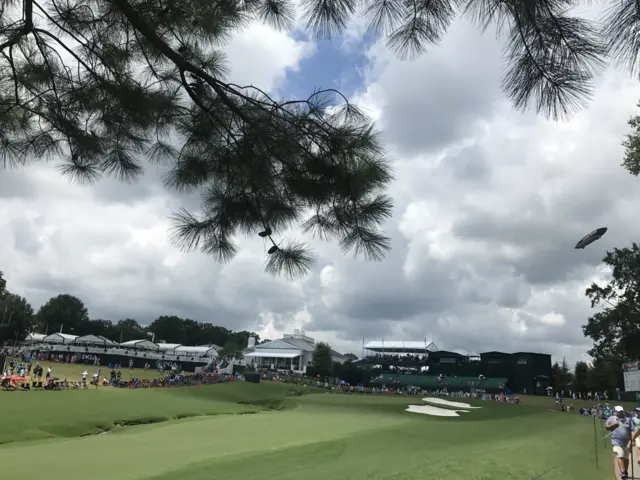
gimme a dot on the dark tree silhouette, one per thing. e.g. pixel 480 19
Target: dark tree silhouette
pixel 64 312
pixel 615 328
pixel 107 85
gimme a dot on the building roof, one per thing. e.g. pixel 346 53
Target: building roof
pixel 274 353
pixel 201 349
pixel 300 343
pixel 59 338
pixel 397 345
pixel 85 339
pixel 168 346
pixel 35 337
pixel 144 344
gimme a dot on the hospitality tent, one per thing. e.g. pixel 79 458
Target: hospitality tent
pixel 35 338
pixel 140 344
pixel 168 347
pixel 201 351
pixel 94 340
pixel 59 338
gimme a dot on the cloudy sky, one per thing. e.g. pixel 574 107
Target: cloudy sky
pixel 489 204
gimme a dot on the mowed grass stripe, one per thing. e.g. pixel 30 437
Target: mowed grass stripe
pixel 145 452
pixel 42 414
pixel 417 451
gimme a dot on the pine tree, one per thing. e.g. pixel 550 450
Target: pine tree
pixel 106 85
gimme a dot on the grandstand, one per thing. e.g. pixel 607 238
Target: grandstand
pixel 139 352
pixel 421 364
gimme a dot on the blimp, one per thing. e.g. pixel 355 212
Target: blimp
pixel 591 237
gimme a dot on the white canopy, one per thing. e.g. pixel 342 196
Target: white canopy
pixel 268 353
pixel 401 346
pixel 201 350
pixel 142 344
pixel 93 339
pixel 59 338
pixel 168 346
pixel 35 337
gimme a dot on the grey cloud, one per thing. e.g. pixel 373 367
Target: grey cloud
pixel 25 237
pixel 513 294
pixel 442 95
pixel 469 164
pixel 16 184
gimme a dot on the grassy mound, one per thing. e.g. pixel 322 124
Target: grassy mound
pixel 42 414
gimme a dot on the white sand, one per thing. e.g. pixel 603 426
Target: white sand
pixel 447 403
pixel 435 411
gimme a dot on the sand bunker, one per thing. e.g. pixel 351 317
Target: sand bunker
pixel 435 411
pixel 447 403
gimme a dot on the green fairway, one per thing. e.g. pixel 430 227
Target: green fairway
pixel 318 435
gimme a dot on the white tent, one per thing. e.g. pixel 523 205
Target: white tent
pixel 93 340
pixel 168 347
pixel 35 338
pixel 59 338
pixel 202 351
pixel 141 344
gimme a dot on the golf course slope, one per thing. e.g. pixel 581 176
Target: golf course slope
pixel 276 431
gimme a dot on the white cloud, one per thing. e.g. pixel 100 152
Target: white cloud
pixel 553 319
pixel 261 56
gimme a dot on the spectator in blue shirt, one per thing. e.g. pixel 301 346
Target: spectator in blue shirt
pixel 622 433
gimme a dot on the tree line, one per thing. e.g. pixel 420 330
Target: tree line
pixel 600 375
pixel 615 326
pixel 68 314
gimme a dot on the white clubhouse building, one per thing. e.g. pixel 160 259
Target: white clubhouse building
pixel 294 352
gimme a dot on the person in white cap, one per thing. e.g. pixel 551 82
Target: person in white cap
pixel 622 433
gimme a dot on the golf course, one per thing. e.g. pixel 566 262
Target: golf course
pixel 273 430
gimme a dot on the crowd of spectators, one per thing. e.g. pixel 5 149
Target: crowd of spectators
pixel 396 359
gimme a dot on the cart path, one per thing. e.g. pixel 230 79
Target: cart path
pixel 634 468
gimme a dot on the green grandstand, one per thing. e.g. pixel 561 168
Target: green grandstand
pixel 432 381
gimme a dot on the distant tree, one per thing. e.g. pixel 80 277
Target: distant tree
pixel 604 375
pixel 615 329
pixel 19 321
pixel 214 334
pixel 556 376
pixel 3 285
pixel 237 342
pixel 351 357
pixel 194 333
pixel 565 373
pixel 580 377
pixel 232 348
pixel 322 358
pixel 631 159
pixel 242 338
pixel 64 312
pixel 103 328
pixel 129 329
pixel 170 329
